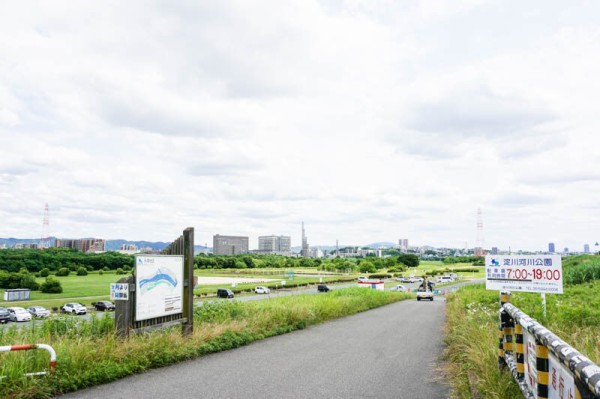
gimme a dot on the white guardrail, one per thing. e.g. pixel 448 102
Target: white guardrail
pixel 543 365
pixel 48 348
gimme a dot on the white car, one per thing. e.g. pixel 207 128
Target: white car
pixel 38 311
pixel 262 290
pixel 19 314
pixel 74 307
pixel 399 288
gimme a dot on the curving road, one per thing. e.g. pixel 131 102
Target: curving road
pixel 388 352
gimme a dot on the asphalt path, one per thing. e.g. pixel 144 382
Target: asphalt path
pixel 388 352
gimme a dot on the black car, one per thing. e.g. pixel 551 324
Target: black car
pixel 224 293
pixel 323 288
pixel 4 316
pixel 104 306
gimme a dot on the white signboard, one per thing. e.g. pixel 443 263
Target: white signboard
pixel 159 285
pixel 530 361
pixel 526 273
pixel 561 384
pixel 119 292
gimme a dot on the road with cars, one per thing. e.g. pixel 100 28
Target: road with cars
pixel 389 352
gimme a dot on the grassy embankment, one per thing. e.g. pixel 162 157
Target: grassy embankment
pixel 95 287
pixel 472 328
pixel 89 353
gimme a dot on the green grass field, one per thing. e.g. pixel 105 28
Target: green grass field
pixel 472 332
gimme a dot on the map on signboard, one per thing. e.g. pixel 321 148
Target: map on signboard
pixel 159 286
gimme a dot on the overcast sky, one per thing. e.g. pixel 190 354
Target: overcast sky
pixel 368 120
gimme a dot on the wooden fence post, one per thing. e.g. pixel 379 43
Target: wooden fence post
pixel 188 281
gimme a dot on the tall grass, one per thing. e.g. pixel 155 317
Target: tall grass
pixel 472 334
pixel 89 353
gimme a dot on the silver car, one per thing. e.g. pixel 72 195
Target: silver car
pixel 38 311
pixel 19 314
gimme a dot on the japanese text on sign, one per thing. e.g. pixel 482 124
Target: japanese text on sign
pixel 526 273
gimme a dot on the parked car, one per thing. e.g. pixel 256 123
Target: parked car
pixel 424 293
pixel 4 316
pixel 362 278
pixel 323 288
pixel 444 279
pixel 74 307
pixel 399 288
pixel 38 311
pixel 224 293
pixel 262 290
pixel 105 306
pixel 418 279
pixel 19 314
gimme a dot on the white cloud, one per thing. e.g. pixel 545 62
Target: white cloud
pixel 369 121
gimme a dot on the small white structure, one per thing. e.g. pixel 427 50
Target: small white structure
pixel 376 285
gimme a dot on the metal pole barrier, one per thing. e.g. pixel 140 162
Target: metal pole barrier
pixel 47 348
pixel 520 352
pixel 504 318
pixel 542 366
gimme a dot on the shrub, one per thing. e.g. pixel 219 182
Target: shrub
pixel 63 271
pixel 100 272
pixel 28 281
pixel 45 272
pixel 51 286
pixel 121 271
pixel 82 271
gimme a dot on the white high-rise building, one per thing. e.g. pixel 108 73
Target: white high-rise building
pixel 403 244
pixel 275 244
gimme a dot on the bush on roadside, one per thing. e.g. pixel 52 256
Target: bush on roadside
pixel 51 286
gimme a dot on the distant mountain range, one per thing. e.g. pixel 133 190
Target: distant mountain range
pixel 111 245
pixel 115 245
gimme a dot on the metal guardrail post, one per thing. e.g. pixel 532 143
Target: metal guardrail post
pixel 543 367
pixel 504 319
pixel 520 351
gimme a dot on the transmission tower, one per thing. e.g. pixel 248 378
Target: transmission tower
pixel 45 240
pixel 479 251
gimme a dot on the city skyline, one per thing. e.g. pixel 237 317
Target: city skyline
pixel 369 121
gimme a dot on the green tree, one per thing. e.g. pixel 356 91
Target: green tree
pixel 51 286
pixel 45 272
pixel 63 271
pixel 82 271
pixel 409 260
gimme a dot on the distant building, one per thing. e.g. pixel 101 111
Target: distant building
pixel 403 244
pixel 494 251
pixel 305 251
pixel 551 248
pixel 586 248
pixel 23 245
pixel 275 244
pixel 2 245
pixel 83 245
pixel 566 250
pixel 128 247
pixel 230 245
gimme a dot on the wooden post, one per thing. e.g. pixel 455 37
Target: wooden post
pixel 188 281
pixel 124 309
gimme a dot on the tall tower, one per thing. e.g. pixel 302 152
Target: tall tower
pixel 479 251
pixel 45 239
pixel 305 250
